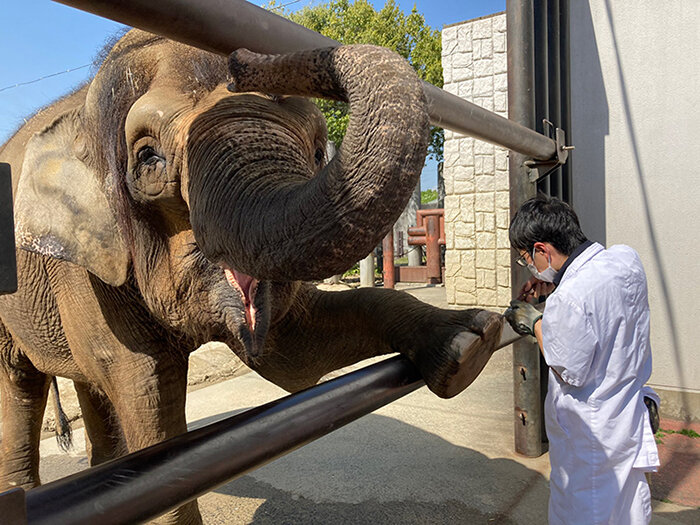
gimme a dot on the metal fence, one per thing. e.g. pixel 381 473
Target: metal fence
pixel 152 481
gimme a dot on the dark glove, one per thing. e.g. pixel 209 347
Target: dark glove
pixel 522 317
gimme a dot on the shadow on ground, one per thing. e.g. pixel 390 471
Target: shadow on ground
pixel 281 507
pixel 380 470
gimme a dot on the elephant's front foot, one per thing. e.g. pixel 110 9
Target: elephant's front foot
pixel 453 366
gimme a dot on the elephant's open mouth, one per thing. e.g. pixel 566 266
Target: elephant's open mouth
pixel 246 286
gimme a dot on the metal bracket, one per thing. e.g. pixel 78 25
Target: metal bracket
pixel 539 169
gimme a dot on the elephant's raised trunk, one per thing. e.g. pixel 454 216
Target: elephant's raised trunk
pixel 286 226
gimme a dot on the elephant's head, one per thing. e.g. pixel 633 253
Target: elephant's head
pixel 205 184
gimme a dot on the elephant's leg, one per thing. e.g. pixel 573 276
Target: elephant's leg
pixel 449 347
pixel 23 393
pixel 119 347
pixel 104 439
pixel 152 409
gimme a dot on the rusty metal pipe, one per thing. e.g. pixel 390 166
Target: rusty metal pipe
pixel 388 260
pixel 432 249
pixel 417 238
pixel 221 26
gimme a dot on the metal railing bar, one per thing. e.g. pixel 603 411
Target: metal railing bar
pixel 221 26
pixel 148 483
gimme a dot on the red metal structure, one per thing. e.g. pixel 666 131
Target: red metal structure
pixel 429 232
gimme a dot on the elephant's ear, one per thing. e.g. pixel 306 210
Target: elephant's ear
pixel 61 209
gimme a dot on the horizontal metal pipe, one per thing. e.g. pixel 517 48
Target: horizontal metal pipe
pixel 456 114
pixel 147 483
pixel 221 26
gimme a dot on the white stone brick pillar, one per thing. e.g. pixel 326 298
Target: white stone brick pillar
pixel 477 212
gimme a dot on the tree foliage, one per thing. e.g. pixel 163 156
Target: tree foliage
pixel 358 22
pixel 427 196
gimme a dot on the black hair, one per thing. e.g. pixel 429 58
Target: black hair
pixel 546 219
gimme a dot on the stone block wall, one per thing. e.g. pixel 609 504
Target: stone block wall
pixel 477 210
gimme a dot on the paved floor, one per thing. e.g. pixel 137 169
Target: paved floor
pixel 419 460
pixel 678 479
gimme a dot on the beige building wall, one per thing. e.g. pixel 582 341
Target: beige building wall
pixel 635 74
pixel 477 260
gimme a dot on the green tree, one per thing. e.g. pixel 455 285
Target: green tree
pixel 359 23
pixel 428 196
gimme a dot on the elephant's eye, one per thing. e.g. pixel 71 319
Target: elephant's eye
pixel 148 156
pixel 319 156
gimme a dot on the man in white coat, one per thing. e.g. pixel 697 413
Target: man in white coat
pixel 594 335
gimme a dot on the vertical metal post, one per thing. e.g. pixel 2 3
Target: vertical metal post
pixel 521 109
pixel 367 271
pixel 553 86
pixel 331 150
pixel 432 249
pixel 540 55
pixel 441 185
pixel 565 91
pixel 546 102
pixel 388 255
pixel 414 252
pixel 8 263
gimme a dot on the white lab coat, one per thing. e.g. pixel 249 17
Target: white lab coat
pixel 595 333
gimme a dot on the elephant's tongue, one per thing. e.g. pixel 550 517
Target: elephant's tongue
pixel 246 286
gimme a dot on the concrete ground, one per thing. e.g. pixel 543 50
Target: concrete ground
pixel 419 460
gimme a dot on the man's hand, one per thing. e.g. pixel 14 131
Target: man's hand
pixel 522 317
pixel 533 289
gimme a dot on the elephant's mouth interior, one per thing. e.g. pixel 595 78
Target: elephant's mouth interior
pixel 246 286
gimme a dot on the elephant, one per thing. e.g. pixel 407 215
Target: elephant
pixel 181 197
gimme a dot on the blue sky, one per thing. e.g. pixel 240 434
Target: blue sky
pixel 40 38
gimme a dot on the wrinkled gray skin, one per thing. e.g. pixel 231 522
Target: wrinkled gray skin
pixel 157 210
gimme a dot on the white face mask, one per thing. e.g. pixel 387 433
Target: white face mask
pixel 546 275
